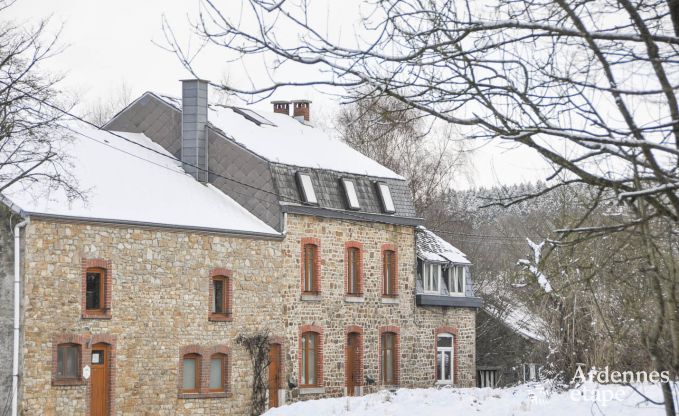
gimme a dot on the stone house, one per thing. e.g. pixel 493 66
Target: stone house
pixel 205 222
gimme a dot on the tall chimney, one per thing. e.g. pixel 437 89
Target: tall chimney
pixel 194 128
pixel 281 107
pixel 300 108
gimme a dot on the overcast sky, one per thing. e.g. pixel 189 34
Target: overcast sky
pixel 107 44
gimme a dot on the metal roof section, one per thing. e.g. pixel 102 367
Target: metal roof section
pixel 434 249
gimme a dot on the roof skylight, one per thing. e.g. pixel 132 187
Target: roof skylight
pixel 253 116
pixel 306 188
pixel 385 197
pixel 350 193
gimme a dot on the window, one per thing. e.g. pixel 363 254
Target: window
pixel 456 280
pixel 432 274
pixel 385 197
pixel 390 282
pixel 220 295
pixel 217 373
pixel 96 289
pixel 389 362
pixel 350 194
pixel 68 361
pixel 310 268
pixel 354 269
pixel 191 373
pixel 306 188
pixel 444 358
pixel 309 366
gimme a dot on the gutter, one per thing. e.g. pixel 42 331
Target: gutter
pixel 17 314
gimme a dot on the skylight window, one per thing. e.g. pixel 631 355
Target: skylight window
pixel 385 197
pixel 306 188
pixel 350 193
pixel 253 116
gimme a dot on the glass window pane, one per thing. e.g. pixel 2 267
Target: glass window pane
pixel 312 363
pixel 218 285
pixel 387 202
pixel 216 379
pixel 304 361
pixel 447 365
pixel 67 361
pixel 435 278
pixel 308 192
pixel 93 291
pixel 445 341
pixel 350 192
pixel 460 279
pixel 439 362
pixel 189 374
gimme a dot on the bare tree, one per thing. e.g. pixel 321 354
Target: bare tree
pixel 101 111
pixel 591 85
pixel 402 140
pixel 30 112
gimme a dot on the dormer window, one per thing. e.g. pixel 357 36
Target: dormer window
pixel 306 188
pixel 350 193
pixel 385 197
pixel 456 280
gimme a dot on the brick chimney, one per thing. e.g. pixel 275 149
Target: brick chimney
pixel 281 107
pixel 300 108
pixel 194 128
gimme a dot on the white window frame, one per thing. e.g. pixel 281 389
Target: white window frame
pixel 350 192
pixel 306 186
pixel 453 289
pixel 428 281
pixel 385 196
pixel 441 350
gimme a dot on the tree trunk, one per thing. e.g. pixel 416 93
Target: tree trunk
pixel 669 399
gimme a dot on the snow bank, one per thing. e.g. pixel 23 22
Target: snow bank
pixel 529 399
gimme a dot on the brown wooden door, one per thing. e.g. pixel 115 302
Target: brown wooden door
pixel 274 374
pixel 353 363
pixel 100 380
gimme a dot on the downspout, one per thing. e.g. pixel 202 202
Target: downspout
pixel 17 316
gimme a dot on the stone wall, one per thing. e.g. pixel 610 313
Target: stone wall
pixel 333 312
pixel 160 302
pixel 159 305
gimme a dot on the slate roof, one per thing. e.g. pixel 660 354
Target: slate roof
pixel 432 248
pixel 255 163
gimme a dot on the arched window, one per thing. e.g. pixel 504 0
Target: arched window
pixel 96 289
pixel 389 284
pixel 310 360
pixel 389 358
pixel 445 358
pixel 354 269
pixel 191 364
pixel 217 382
pixel 310 268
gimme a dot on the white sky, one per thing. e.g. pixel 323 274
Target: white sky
pixel 108 43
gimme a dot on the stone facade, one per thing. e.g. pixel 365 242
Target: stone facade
pixel 160 304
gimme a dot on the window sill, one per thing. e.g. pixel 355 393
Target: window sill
pixel 312 390
pixel 311 297
pixel 94 315
pixel 212 395
pixel 220 317
pixel 354 298
pixel 389 300
pixel 69 382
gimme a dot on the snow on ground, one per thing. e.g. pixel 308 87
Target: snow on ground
pixel 532 399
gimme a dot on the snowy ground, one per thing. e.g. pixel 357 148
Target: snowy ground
pixel 525 400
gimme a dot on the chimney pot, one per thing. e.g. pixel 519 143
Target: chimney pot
pixel 281 107
pixel 300 108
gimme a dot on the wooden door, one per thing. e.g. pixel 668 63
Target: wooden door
pixel 353 363
pixel 100 380
pixel 274 374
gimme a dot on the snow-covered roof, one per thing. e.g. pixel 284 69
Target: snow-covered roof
pixel 518 318
pixel 283 139
pixel 125 182
pixel 431 247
